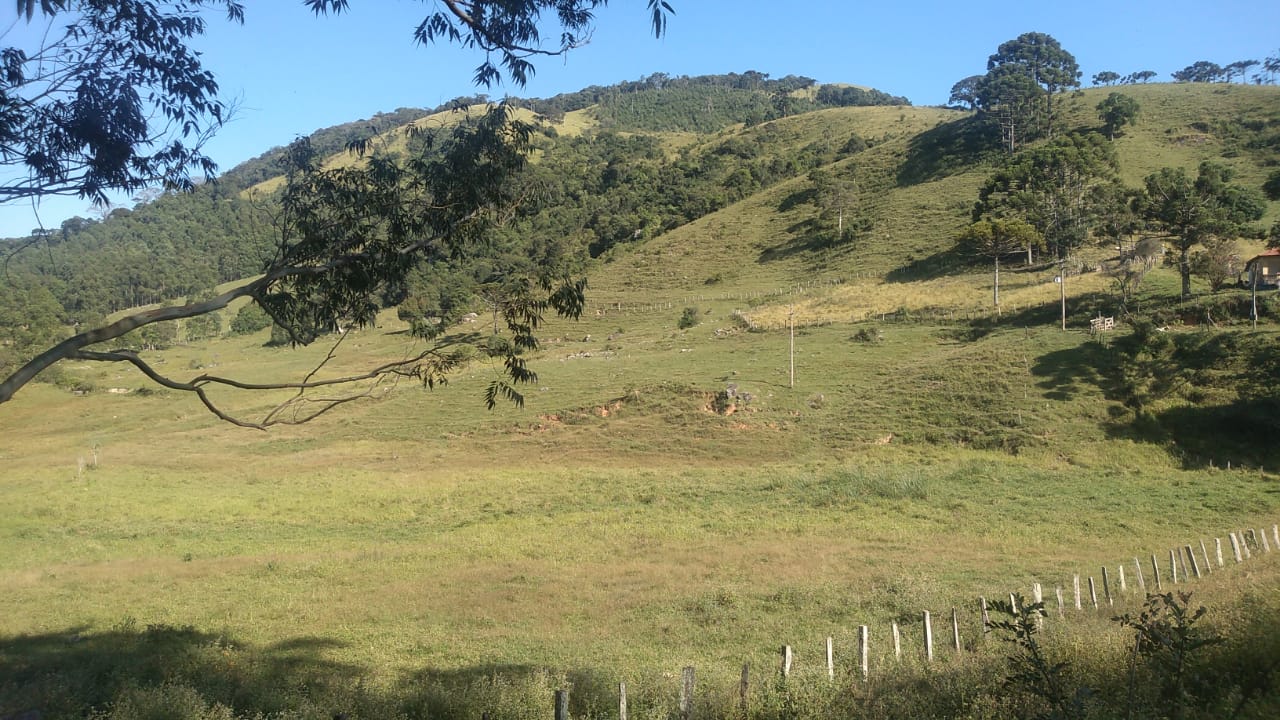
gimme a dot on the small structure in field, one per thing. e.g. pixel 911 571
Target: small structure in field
pixel 1263 270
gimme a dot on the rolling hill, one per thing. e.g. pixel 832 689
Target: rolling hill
pixel 759 432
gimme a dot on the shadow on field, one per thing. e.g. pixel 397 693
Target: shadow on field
pixel 807 236
pixel 162 671
pixel 939 264
pixel 947 149
pixel 1239 435
pixel 1064 373
pixel 168 669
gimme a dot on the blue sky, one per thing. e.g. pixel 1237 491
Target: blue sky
pixel 292 73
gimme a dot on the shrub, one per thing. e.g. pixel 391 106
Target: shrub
pixel 688 318
pixel 249 319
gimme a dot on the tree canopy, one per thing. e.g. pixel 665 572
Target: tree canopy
pixel 114 99
pixel 1023 76
pixel 1191 211
pixel 80 111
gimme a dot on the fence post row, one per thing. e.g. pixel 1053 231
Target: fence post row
pixel 1240 541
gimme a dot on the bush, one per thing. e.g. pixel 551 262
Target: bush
pixel 250 319
pixel 498 346
pixel 688 318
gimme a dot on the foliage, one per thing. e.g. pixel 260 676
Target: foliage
pixel 249 319
pixel 203 327
pixel 511 33
pixel 1190 212
pixel 1142 76
pixel 965 92
pixel 1218 261
pixel 1272 186
pixel 995 238
pixel 1063 189
pixel 1170 637
pixel 688 318
pixel 30 320
pixel 1116 111
pixel 1199 71
pixel 1031 671
pixel 1023 76
pixel 1106 77
pixel 112 98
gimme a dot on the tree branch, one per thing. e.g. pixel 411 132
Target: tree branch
pixel 426 363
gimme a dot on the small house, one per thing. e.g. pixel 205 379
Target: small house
pixel 1263 269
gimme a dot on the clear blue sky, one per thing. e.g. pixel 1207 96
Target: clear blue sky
pixel 293 73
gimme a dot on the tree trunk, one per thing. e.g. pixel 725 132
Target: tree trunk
pixel 996 291
pixel 1184 267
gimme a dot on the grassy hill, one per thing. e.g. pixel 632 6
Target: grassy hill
pixel 416 554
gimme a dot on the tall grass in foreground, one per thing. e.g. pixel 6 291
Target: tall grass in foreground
pixel 1225 663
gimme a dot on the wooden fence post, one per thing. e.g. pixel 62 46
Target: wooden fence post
pixel 1106 585
pixel 1142 582
pixel 622 701
pixel 864 651
pixel 928 637
pixel 955 629
pixel 897 642
pixel 1155 569
pixel 686 693
pixel 1244 544
pixel 786 661
pixel 1173 566
pixel 1275 534
pixel 1075 584
pixel 1195 567
pixel 1217 548
pixel 562 704
pixel 831 658
pixel 1093 593
pixel 1060 612
pixel 1208 566
pixel 1123 588
pixel 986 617
pixel 1235 547
pixel 1266 545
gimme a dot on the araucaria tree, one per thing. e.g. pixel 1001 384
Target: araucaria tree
pixel 1023 76
pixel 1189 212
pixel 118 101
pixel 1062 189
pixel 996 238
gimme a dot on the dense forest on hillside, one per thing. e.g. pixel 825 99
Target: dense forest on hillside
pixel 615 183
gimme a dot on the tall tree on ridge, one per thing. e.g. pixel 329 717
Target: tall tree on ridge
pixel 1041 59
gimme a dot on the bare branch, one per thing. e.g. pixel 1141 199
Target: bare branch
pixel 428 365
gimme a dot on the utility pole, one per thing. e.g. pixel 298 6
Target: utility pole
pixel 1062 288
pixel 1253 295
pixel 791 327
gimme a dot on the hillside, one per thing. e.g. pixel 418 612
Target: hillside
pixel 689 482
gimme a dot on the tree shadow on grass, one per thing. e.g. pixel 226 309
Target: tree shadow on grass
pixel 70 672
pixel 1065 373
pixel 807 237
pixel 1238 435
pixel 940 264
pixel 947 149
pixel 162 671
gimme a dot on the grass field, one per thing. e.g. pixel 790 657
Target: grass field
pixel 623 523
